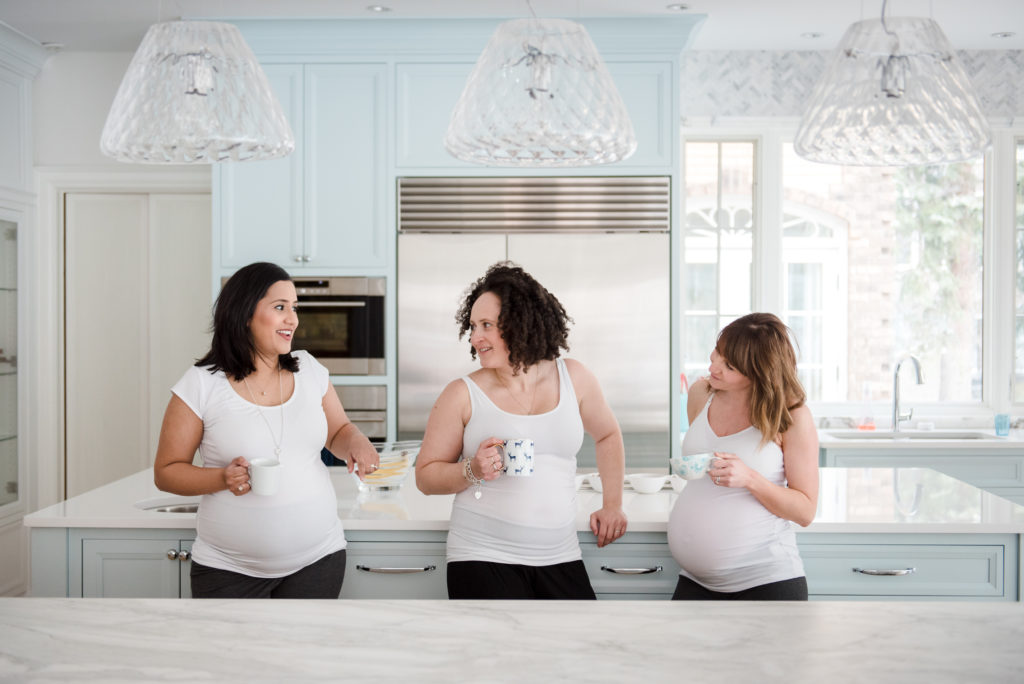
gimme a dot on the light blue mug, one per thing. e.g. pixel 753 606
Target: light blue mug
pixel 692 466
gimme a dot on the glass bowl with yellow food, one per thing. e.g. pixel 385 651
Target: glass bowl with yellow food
pixel 396 462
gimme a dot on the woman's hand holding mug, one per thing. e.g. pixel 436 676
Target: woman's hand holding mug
pixel 236 476
pixel 487 463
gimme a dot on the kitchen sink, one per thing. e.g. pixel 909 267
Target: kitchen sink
pixel 169 504
pixel 177 508
pixel 909 434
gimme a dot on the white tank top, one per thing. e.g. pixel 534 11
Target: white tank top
pixel 722 537
pixel 521 520
pixel 265 536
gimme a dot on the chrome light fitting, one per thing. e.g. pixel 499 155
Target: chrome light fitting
pixel 194 93
pixel 893 94
pixel 540 96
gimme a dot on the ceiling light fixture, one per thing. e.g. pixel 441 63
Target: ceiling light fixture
pixel 378 8
pixel 1004 34
pixel 540 96
pixel 893 94
pixel 811 35
pixel 194 93
pixel 678 7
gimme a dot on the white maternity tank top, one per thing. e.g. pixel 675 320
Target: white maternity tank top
pixel 722 537
pixel 521 520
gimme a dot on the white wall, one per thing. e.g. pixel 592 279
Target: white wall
pixel 71 98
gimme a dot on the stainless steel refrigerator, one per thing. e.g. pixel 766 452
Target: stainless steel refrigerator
pixel 615 285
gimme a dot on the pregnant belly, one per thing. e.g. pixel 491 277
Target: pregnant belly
pixel 718 531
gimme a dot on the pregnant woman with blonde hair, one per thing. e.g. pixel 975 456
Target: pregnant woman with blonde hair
pixel 732 532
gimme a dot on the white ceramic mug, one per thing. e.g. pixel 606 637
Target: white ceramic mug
pixel 264 476
pixel 517 457
pixel 692 466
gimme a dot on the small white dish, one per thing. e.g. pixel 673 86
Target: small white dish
pixel 647 483
pixel 579 481
pixel 594 479
pixel 677 483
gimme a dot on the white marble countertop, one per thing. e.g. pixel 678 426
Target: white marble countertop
pixel 861 500
pixel 938 440
pixel 132 640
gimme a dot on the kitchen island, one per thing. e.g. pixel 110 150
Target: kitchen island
pixel 910 533
pixel 47 639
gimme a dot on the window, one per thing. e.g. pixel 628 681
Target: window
pixel 717 245
pixel 865 264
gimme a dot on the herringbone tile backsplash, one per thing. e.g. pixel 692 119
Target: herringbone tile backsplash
pixel 720 84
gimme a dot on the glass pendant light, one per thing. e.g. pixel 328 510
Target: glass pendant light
pixel 194 93
pixel 894 94
pixel 540 96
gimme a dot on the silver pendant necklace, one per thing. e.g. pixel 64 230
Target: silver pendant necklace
pixel 280 397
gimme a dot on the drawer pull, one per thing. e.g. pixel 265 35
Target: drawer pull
pixel 904 571
pixel 632 571
pixel 396 571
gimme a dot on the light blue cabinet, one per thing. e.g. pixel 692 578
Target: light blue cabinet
pixel 998 471
pixel 427 93
pixel 129 563
pixel 411 564
pixel 322 209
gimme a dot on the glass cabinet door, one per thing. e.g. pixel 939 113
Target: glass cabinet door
pixel 8 362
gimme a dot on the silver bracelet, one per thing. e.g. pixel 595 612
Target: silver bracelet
pixel 467 472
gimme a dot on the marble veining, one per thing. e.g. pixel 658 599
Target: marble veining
pixel 116 640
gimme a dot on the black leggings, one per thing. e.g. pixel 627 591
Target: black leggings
pixel 486 580
pixel 321 579
pixel 787 590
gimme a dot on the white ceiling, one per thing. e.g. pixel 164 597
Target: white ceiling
pixel 118 25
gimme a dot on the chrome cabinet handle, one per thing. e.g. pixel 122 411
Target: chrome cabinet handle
pixel 175 554
pixel 632 571
pixel 395 571
pixel 307 305
pixel 184 555
pixel 880 573
pixel 298 259
pixel 172 554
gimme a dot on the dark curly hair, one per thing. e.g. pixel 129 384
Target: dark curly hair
pixel 232 347
pixel 532 322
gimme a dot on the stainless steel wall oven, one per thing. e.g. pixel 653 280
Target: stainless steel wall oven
pixel 341 323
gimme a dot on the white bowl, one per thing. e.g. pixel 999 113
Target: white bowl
pixel 595 482
pixel 579 481
pixel 677 482
pixel 647 483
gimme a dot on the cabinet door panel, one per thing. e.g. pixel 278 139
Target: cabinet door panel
pixel 645 570
pixel 129 568
pixel 646 89
pixel 388 570
pixel 344 169
pixel 261 214
pixel 427 93
pixel 938 571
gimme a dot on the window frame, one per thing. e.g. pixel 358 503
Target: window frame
pixel 999 262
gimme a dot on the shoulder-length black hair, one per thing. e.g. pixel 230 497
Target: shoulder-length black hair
pixel 532 321
pixel 232 349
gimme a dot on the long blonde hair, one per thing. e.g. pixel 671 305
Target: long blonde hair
pixel 758 346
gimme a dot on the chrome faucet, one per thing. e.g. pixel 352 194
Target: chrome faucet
pixel 896 415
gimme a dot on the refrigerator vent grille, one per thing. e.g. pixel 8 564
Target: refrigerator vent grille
pixel 524 205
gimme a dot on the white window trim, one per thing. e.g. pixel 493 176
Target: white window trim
pixel 998 277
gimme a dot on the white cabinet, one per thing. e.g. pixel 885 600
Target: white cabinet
pixel 427 93
pixel 322 208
